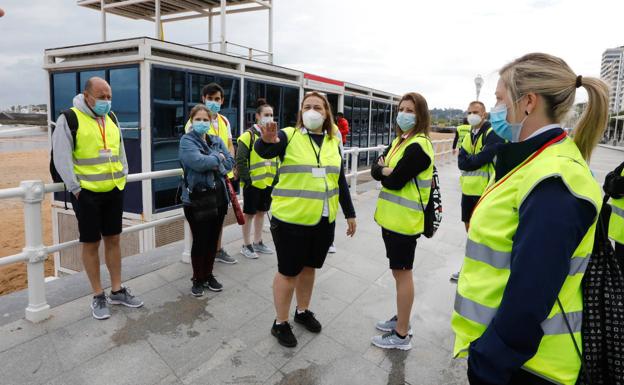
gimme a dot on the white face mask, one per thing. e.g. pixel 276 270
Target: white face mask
pixel 474 119
pixel 265 120
pixel 312 120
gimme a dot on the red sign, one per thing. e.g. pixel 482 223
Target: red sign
pixel 323 80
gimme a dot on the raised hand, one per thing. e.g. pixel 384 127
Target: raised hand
pixel 269 133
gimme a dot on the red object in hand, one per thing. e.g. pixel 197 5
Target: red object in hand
pixel 240 217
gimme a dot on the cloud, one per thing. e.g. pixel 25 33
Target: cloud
pixel 436 48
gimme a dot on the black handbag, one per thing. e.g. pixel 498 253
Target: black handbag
pixel 203 200
pixel 603 312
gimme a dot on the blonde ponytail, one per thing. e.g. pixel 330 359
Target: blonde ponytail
pixel 552 79
pixel 593 122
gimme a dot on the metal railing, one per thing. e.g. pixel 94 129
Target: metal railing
pixel 443 150
pixel 250 52
pixel 32 193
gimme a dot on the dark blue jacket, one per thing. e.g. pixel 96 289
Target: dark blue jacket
pixel 202 163
pixel 491 142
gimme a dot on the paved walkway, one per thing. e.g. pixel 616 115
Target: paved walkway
pixel 224 337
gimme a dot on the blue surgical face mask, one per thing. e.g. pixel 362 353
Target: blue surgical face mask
pixel 201 127
pixel 213 106
pixel 102 107
pixel 406 121
pixel 500 125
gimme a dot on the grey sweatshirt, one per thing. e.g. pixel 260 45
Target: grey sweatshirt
pixel 63 146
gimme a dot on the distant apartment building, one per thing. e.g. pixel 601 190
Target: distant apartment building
pixel 612 72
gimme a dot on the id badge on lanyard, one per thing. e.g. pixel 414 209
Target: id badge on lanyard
pixel 104 152
pixel 317 172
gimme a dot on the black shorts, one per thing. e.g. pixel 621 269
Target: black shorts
pixel 255 199
pixel 301 246
pixel 400 249
pixel 98 214
pixel 468 204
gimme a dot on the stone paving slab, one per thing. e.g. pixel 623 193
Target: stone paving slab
pixel 224 338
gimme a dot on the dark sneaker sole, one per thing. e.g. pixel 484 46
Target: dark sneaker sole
pixel 197 294
pixel 312 330
pixel 283 343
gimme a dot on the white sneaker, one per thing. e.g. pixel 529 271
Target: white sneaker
pixel 332 249
pixel 248 252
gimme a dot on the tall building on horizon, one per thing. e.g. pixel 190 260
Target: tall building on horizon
pixel 612 72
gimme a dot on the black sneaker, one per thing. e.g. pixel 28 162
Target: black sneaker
pixel 308 320
pixel 212 284
pixel 198 289
pixel 283 333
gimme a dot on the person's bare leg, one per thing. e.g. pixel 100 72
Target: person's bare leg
pixel 246 230
pixel 303 289
pixel 283 288
pixel 91 262
pixel 258 224
pixel 405 299
pixel 219 241
pixel 112 254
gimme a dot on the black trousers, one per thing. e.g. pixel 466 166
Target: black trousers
pixel 205 239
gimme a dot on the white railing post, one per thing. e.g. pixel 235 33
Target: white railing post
pixel 354 170
pixel 34 192
pixel 188 242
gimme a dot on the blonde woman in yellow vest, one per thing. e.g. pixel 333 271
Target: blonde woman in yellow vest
pixel 93 166
pixel 532 231
pixel 305 204
pixel 257 176
pixel 405 170
pixel 213 97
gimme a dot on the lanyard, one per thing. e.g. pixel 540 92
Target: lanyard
pixel 317 154
pixel 526 161
pixel 102 128
pixel 393 151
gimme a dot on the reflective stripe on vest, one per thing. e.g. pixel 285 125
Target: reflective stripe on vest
pixel 474 183
pixel 502 260
pixel 261 174
pixel 482 314
pixel 616 222
pixel 299 197
pixel 401 210
pixel 487 263
pixel 94 171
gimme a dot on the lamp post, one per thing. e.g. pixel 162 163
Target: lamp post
pixel 478 84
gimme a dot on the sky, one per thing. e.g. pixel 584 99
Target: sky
pixel 435 48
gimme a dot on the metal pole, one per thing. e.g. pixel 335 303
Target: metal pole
pixel 271 32
pixel 34 192
pixel 188 243
pixel 103 14
pixel 210 29
pixel 158 23
pixel 223 7
pixel 354 169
